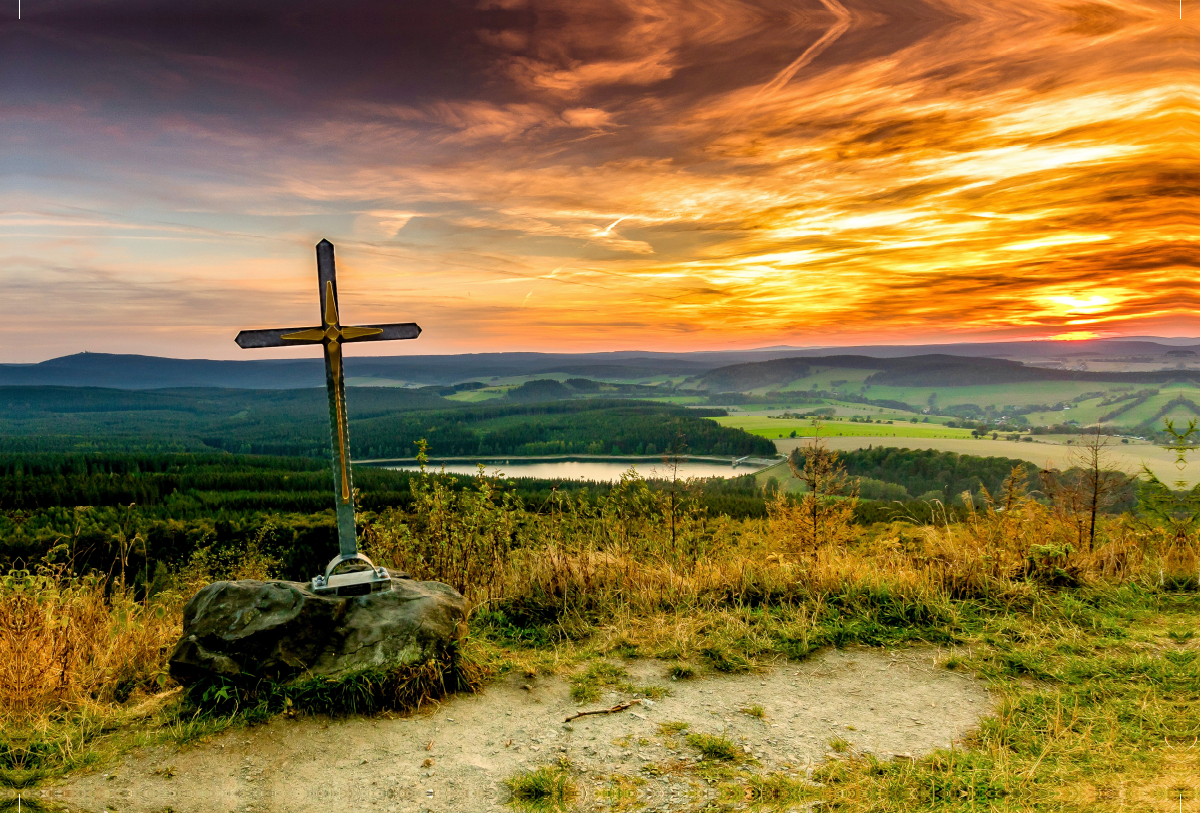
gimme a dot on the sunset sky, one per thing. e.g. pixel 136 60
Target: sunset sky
pixel 596 174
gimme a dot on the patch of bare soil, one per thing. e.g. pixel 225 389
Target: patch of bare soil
pixel 457 757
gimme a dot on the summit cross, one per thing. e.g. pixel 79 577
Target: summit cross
pixel 332 335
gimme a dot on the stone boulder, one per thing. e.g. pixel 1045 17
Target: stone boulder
pixel 281 630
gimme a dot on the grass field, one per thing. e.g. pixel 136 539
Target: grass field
pixel 1086 649
pixel 1037 392
pixel 475 396
pixel 999 395
pixel 775 428
pixel 682 400
pixel 1085 412
pixel 1090 411
pixel 830 378
pixel 843 409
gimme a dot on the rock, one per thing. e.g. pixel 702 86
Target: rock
pixel 279 630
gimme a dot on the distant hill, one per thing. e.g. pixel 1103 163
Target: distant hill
pixel 1032 352
pixel 152 372
pixel 934 370
pixel 743 377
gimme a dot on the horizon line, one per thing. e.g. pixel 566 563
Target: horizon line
pixel 1172 340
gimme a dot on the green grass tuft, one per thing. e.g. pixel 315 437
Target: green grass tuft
pixel 549 787
pixel 727 660
pixel 716 747
pixel 587 685
pixel 777 789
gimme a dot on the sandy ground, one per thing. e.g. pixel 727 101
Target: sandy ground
pixel 457 757
pixel 1127 458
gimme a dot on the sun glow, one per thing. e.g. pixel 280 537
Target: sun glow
pixel 1074 304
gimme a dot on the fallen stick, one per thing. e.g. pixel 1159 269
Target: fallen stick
pixel 613 710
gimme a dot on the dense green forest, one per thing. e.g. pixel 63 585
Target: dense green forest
pixel 385 423
pixel 597 426
pixel 167 506
pixel 185 486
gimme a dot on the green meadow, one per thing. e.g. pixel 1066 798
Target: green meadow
pixel 774 428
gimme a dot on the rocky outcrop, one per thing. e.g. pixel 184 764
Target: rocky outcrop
pixel 280 630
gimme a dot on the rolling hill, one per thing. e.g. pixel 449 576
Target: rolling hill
pixel 150 372
pixel 934 370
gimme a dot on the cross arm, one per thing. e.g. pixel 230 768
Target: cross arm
pixel 273 337
pixel 292 336
pixel 382 333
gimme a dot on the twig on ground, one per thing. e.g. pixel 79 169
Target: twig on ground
pixel 613 710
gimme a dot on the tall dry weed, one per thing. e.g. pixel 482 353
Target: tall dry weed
pixel 586 558
pixel 76 644
pixel 82 646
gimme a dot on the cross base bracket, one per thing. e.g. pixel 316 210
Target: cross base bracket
pixel 359 582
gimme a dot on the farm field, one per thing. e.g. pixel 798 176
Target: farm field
pixel 369 381
pixel 829 378
pixel 1031 392
pixel 841 409
pixel 775 428
pixel 475 396
pixel 1034 392
pixel 682 400
pixel 1127 458
pixel 1090 411
pixel 1000 395
pixel 1135 411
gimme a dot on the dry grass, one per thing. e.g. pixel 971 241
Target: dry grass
pixel 86 644
pixel 619 556
pixel 87 659
pixel 83 644
pixel 629 573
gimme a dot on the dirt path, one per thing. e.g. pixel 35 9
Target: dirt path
pixel 457 757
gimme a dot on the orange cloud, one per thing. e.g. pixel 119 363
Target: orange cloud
pixel 660 173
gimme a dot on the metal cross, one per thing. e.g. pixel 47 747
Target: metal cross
pixel 332 335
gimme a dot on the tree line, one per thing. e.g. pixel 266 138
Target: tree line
pixel 927 474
